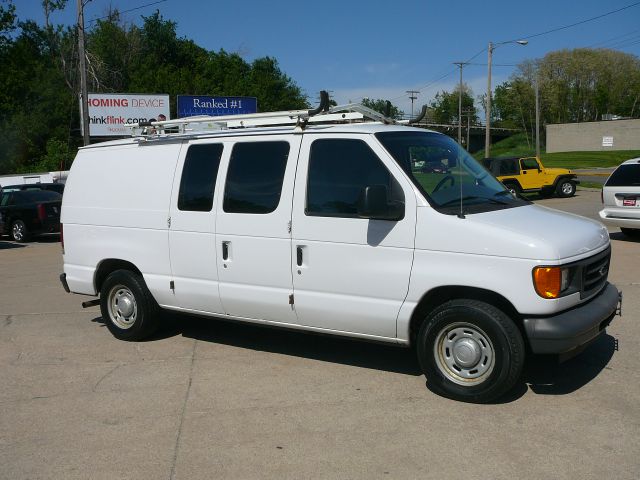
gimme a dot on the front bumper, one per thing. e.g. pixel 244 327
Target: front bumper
pixel 574 328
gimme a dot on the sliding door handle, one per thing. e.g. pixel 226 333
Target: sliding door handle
pixel 225 250
pixel 299 255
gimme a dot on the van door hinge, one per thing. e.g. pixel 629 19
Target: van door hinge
pixel 168 222
pixel 289 226
pixel 291 299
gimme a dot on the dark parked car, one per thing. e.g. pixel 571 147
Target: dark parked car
pixel 30 212
pixel 54 187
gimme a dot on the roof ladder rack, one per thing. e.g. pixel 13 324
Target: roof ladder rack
pixel 323 113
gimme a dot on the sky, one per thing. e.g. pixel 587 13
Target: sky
pixel 381 49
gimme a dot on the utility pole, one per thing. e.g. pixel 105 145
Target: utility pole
pixel 537 119
pixel 460 65
pixel 487 132
pixel 84 107
pixel 413 94
pixel 468 113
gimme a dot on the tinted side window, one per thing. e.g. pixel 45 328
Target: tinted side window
pixel 529 164
pixel 199 177
pixel 509 167
pixel 255 176
pixel 625 175
pixel 338 171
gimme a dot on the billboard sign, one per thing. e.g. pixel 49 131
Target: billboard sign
pixel 192 105
pixel 108 112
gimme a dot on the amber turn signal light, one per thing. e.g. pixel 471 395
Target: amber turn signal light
pixel 547 281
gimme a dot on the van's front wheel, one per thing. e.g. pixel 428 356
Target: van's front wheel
pixel 127 306
pixel 470 351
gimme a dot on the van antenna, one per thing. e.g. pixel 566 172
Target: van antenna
pixel 461 214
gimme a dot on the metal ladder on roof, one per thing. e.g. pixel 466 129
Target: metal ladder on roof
pixel 323 114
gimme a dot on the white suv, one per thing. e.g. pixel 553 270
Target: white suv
pixel 621 198
pixel 334 228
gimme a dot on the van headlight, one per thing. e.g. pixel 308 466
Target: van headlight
pixel 551 282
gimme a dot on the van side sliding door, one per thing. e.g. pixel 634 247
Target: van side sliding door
pixel 253 238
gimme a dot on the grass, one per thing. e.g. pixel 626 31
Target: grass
pixel 516 146
pixel 513 146
pixel 595 185
pixel 588 159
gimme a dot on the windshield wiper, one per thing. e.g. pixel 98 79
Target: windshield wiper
pixel 472 197
pixel 458 200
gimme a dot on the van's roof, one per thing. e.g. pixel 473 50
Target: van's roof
pixel 353 128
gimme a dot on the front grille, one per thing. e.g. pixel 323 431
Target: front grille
pixel 595 271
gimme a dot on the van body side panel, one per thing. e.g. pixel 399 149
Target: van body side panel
pixel 355 272
pixel 115 206
pixel 496 251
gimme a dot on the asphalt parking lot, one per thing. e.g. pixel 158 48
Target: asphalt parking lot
pixel 212 399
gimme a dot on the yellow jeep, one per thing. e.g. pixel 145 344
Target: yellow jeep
pixel 527 174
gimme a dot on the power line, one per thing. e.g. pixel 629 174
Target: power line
pixel 130 10
pixel 617 37
pixel 553 30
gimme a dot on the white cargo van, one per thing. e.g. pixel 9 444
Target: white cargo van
pixel 338 225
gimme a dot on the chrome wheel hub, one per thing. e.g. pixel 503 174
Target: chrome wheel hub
pixel 464 354
pixel 123 309
pixel 18 231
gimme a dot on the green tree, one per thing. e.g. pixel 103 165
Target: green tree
pixel 39 114
pixel 574 86
pixel 445 107
pixel 380 105
pixel 7 21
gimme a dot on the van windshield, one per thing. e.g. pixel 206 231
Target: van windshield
pixel 451 180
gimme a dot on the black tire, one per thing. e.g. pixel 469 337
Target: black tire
pixel 19 231
pixel 547 192
pixel 514 188
pixel 470 351
pixel 631 232
pixel 128 308
pixel 565 188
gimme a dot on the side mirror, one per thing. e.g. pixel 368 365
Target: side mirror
pixel 373 203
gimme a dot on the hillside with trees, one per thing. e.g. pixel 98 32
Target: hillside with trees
pixel 39 106
pixel 578 85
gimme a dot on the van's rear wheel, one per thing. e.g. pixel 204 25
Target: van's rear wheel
pixel 127 306
pixel 470 351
